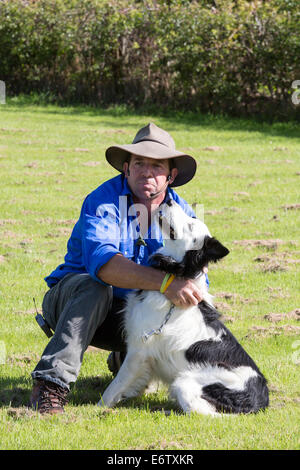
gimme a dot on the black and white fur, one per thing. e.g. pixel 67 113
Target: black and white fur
pixel 207 370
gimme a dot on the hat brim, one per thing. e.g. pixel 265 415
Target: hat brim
pixel 185 164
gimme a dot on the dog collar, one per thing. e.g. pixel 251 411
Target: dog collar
pixel 146 336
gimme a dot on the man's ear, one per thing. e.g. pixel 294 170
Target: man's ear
pixel 173 174
pixel 213 250
pixel 126 169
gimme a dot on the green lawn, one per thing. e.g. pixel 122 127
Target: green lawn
pixel 248 183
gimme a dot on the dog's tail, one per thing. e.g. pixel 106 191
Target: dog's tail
pixel 253 398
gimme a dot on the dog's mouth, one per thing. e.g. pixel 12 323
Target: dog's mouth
pixel 166 228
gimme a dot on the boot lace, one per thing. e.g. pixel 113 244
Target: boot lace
pixel 52 396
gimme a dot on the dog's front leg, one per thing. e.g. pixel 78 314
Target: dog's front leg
pixel 131 379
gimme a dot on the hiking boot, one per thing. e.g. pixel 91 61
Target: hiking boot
pixel 115 360
pixel 48 397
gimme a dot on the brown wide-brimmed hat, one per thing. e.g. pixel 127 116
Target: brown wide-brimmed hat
pixel 153 142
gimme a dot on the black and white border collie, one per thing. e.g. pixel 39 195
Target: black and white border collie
pixel 189 349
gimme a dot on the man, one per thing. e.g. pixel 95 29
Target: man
pixel 107 256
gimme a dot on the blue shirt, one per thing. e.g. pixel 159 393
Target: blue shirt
pixel 108 225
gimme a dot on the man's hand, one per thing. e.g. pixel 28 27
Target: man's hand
pixel 121 272
pixel 183 293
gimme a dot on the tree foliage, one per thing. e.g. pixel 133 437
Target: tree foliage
pixel 229 56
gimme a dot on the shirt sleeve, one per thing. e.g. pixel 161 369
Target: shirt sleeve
pixel 100 235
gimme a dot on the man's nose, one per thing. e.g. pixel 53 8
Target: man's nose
pixel 147 170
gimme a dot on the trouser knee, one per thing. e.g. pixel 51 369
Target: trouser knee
pixel 77 294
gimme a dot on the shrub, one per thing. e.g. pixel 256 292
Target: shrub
pixel 228 56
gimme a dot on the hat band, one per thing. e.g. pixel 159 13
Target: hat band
pixel 151 140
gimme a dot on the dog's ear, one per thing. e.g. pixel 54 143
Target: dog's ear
pixel 214 250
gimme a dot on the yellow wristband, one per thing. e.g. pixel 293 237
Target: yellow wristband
pixel 167 280
pixel 163 284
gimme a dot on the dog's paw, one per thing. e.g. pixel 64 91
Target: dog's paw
pixel 108 400
pixel 103 404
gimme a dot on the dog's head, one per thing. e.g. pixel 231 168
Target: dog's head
pixel 188 245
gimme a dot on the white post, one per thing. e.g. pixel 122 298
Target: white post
pixel 2 92
pixel 2 352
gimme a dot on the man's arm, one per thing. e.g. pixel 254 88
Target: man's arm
pixel 124 273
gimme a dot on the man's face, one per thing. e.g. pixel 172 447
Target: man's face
pixel 147 175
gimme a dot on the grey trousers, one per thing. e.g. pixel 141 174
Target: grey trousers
pixel 82 312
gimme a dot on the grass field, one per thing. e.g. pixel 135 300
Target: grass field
pixel 248 183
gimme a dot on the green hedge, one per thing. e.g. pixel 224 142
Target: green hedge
pixel 237 57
